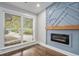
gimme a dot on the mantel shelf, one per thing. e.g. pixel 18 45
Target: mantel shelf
pixel 68 27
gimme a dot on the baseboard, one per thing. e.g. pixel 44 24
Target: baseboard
pixel 59 50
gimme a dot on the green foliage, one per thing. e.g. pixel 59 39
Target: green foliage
pixel 13 23
pixel 28 31
pixel 28 24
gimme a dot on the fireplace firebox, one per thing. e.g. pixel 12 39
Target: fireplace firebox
pixel 61 38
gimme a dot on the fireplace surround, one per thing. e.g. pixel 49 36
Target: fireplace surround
pixel 60 38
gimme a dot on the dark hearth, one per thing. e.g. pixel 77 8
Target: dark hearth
pixel 61 38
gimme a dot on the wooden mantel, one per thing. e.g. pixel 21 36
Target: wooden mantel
pixel 68 27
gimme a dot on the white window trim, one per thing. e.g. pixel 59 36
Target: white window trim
pixel 4 10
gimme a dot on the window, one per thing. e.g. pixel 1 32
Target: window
pixel 27 29
pixel 17 32
pixel 12 29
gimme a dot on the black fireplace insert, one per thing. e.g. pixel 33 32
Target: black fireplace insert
pixel 61 38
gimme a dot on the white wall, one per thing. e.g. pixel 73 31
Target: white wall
pixel 41 27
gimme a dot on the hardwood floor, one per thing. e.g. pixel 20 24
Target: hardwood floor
pixel 35 50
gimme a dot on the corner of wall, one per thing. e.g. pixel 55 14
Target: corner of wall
pixel 41 27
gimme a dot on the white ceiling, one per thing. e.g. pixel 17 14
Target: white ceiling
pixel 30 6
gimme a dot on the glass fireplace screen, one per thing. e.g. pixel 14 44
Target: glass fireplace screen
pixel 61 38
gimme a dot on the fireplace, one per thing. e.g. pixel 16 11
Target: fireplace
pixel 60 38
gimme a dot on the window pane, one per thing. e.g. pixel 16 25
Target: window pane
pixel 27 29
pixel 12 29
pixel 28 24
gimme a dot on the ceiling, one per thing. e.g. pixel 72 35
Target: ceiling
pixel 29 6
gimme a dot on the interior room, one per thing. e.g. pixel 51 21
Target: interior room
pixel 39 28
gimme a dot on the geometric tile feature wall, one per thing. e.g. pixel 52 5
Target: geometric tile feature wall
pixel 63 14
